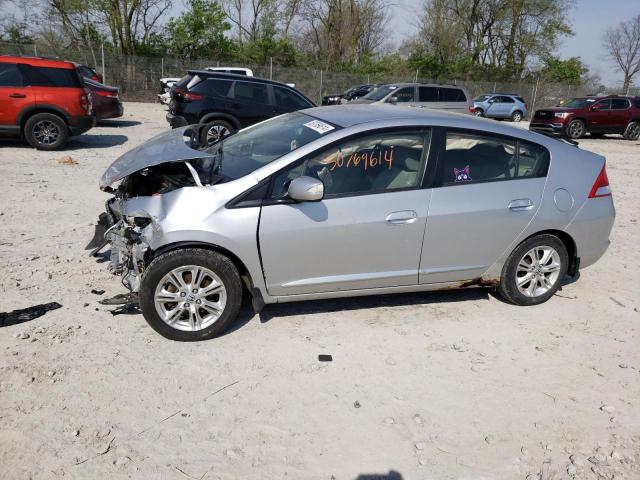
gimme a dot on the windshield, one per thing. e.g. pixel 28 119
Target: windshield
pixel 257 146
pixel 482 98
pixel 578 102
pixel 380 92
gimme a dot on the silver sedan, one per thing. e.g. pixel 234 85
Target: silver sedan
pixel 344 201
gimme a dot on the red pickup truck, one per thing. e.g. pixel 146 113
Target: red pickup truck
pixel 594 115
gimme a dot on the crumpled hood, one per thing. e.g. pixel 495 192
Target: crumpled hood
pixel 166 147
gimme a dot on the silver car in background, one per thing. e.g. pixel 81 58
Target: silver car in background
pixel 349 200
pixel 451 98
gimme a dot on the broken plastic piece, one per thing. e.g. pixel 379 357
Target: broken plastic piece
pixel 120 299
pixel 26 314
pixel 97 292
pixel 325 358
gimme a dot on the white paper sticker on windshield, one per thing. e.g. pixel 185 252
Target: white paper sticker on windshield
pixel 319 126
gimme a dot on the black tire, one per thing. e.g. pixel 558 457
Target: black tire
pixel 508 287
pixel 516 116
pixel 575 129
pixel 46 131
pixel 632 132
pixel 165 263
pixel 478 112
pixel 215 131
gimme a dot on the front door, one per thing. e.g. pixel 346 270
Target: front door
pixel 489 189
pixel 365 233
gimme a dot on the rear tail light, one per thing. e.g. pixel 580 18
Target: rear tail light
pixel 186 95
pixel 85 100
pixel 106 94
pixel 601 186
pixel 471 109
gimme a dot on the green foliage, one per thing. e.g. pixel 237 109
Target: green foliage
pixel 200 32
pixel 570 71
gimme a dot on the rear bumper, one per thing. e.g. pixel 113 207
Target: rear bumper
pixel 591 228
pixel 176 120
pixel 79 125
pixel 110 111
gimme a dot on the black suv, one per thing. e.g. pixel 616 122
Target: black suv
pixel 226 102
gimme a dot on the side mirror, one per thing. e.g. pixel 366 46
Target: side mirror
pixel 306 189
pixel 392 100
pixel 596 106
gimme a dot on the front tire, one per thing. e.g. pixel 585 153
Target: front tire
pixel 516 116
pixel 46 131
pixel 534 271
pixel 632 132
pixel 190 294
pixel 215 131
pixel 478 112
pixel 575 129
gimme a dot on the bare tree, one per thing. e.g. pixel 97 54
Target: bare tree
pixel 623 45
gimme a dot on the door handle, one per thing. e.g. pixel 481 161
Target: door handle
pixel 402 217
pixel 521 204
pixel 18 95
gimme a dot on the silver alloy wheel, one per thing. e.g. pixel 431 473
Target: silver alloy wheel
pixel 190 298
pixel 538 271
pixel 634 132
pixel 216 133
pixel 576 129
pixel 517 116
pixel 45 132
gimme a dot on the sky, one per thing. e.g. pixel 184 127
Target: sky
pixel 589 20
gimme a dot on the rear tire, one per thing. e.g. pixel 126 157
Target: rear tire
pixel 215 131
pixel 46 131
pixel 632 132
pixel 478 112
pixel 516 116
pixel 190 294
pixel 575 129
pixel 534 271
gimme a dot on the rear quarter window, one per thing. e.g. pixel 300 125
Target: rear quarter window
pixel 212 86
pixel 10 75
pixel 54 77
pixel 452 95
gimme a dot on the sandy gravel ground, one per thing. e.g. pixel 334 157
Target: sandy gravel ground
pixel 454 385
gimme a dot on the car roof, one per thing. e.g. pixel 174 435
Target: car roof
pixel 414 84
pixel 233 76
pixel 36 61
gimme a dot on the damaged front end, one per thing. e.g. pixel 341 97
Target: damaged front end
pixel 141 176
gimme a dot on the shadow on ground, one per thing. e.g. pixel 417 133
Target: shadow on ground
pixel 80 142
pixel 118 123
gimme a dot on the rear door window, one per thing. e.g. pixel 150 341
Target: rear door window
pixel 252 92
pixel 452 95
pixel 619 104
pixel 10 75
pixel 54 77
pixel 289 100
pixel 405 95
pixel 505 99
pixel 476 157
pixel 428 94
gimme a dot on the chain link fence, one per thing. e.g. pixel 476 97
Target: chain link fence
pixel 139 77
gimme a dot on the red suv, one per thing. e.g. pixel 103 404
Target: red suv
pixel 593 115
pixel 44 101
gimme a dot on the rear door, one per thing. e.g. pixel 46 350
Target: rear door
pixel 452 99
pixel 15 95
pixel 599 116
pixel 620 113
pixel 250 102
pixel 367 230
pixel 488 190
